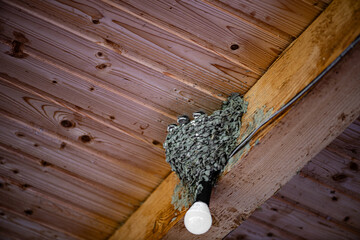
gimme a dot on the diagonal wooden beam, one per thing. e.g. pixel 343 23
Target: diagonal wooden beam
pixel 286 144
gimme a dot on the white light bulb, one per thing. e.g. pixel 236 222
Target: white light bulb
pixel 198 218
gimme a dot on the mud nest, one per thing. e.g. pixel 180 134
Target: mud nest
pixel 198 150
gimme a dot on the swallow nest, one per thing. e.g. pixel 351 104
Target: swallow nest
pixel 198 150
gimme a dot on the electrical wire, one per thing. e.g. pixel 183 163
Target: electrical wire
pixel 295 98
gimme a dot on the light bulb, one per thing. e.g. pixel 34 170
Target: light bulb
pixel 198 218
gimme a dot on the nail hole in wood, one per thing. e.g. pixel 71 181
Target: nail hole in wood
pixel 15 171
pixel 112 117
pixel 234 47
pixel 99 54
pixel 45 163
pixel 334 199
pixel 85 138
pixel 2 214
pixel 274 209
pixel 20 135
pixel 346 218
pixel 25 186
pixel 54 82
pixel 1 185
pixel 156 142
pixel 270 234
pixel 28 212
pixel 62 145
pixel 95 21
pixel 66 123
pixel 353 166
pixel 91 89
pixel 36 145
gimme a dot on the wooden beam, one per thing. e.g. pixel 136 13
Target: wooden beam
pixel 285 145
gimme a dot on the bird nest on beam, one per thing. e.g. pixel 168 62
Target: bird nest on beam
pixel 198 150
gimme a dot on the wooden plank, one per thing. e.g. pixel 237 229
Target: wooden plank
pixel 114 30
pixel 290 143
pixel 334 205
pixel 135 122
pixel 128 171
pixel 19 226
pixel 44 145
pixel 66 186
pixel 335 171
pixel 211 29
pixel 307 225
pixel 125 150
pixel 250 230
pixel 337 209
pixel 33 204
pixel 283 17
pixel 103 94
pixel 131 80
pixel 254 228
pixel 347 145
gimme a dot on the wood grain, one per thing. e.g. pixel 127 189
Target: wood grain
pixel 152 219
pixel 126 122
pixel 254 228
pixel 19 226
pixel 32 108
pixel 335 205
pixel 117 29
pixel 310 54
pixel 79 143
pixel 282 17
pixel 335 171
pixel 87 89
pixel 288 75
pixel 211 29
pixel 46 211
pixel 289 145
pixel 338 208
pixel 347 144
pixel 69 157
pixel 295 220
pixel 124 77
pixel 96 200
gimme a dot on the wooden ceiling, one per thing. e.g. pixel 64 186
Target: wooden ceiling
pixel 87 89
pixel 321 202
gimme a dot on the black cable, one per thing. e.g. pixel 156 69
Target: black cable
pixel 296 97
